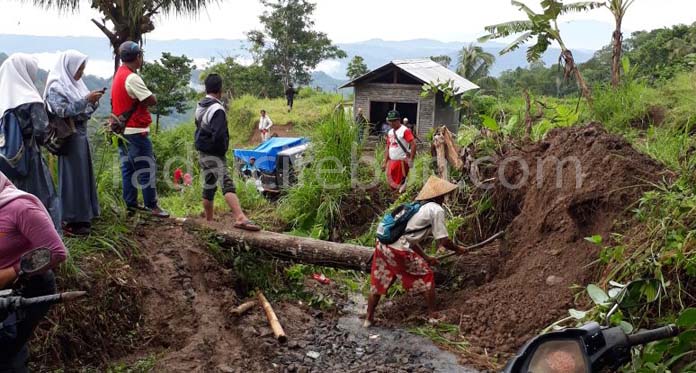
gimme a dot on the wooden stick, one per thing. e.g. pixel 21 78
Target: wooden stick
pixel 278 331
pixel 243 308
pixel 472 247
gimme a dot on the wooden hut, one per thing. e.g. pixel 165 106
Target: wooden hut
pixel 398 85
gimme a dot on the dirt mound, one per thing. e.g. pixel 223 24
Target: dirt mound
pixel 573 185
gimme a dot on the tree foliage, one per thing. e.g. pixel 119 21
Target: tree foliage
pixel 169 80
pixel 288 43
pixel 128 20
pixel 475 64
pixel 443 60
pixel 544 27
pixel 239 80
pixel 357 68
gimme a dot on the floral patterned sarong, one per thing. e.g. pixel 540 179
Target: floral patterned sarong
pixel 389 264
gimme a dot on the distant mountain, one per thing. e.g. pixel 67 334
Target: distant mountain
pixel 376 52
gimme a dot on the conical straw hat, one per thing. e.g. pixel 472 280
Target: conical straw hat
pixel 435 187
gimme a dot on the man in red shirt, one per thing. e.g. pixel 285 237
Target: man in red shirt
pixel 400 152
pixel 138 167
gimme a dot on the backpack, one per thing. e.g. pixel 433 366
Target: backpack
pixel 393 224
pixel 13 160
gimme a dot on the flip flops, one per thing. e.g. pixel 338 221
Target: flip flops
pixel 248 225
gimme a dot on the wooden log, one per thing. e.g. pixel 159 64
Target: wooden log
pixel 243 308
pixel 452 150
pixel 278 331
pixel 442 170
pixel 292 248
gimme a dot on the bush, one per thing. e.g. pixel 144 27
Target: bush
pixel 625 107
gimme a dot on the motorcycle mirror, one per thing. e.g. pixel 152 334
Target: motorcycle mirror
pixel 35 261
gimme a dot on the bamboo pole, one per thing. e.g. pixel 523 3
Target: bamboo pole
pixel 278 331
pixel 243 308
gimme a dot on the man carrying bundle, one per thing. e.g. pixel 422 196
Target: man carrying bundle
pixel 399 253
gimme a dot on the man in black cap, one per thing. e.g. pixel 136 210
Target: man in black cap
pixel 400 152
pixel 290 95
pixel 131 97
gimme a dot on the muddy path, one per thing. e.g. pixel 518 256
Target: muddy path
pixel 187 300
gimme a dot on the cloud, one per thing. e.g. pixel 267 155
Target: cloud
pixel 331 67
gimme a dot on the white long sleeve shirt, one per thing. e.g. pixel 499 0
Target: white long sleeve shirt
pixel 265 123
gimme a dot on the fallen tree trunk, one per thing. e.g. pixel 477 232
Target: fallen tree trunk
pixel 292 248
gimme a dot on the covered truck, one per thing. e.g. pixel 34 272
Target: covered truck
pixel 276 162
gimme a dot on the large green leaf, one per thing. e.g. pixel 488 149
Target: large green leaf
pixel 577 315
pixel 687 319
pixel 598 295
pixel 490 123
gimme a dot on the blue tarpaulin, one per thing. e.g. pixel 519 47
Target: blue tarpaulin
pixel 267 152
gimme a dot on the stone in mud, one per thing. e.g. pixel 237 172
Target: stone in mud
pixel 313 355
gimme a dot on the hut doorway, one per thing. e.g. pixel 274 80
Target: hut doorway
pixel 379 110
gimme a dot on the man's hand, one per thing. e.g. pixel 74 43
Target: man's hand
pixel 410 162
pixel 94 96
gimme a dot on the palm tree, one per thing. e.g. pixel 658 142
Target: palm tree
pixel 618 8
pixel 543 26
pixel 129 19
pixel 475 64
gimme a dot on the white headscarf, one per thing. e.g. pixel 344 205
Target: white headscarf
pixel 9 193
pixel 63 76
pixel 17 76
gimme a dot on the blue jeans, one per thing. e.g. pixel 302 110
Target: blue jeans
pixel 138 170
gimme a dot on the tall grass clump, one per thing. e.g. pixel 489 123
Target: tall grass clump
pixel 625 107
pixel 313 205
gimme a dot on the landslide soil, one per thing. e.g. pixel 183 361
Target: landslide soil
pixel 509 291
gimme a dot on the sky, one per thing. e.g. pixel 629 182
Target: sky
pixel 343 21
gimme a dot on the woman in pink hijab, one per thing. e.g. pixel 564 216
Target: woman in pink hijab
pixel 24 225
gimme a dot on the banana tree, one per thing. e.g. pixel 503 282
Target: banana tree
pixel 544 27
pixel 618 8
pixel 128 19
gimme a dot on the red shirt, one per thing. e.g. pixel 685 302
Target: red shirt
pixel 121 102
pixel 398 138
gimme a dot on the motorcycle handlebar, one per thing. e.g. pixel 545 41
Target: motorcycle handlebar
pixel 19 302
pixel 648 336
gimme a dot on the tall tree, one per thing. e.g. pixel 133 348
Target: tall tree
pixel 543 26
pixel 618 8
pixel 125 20
pixel 288 43
pixel 239 80
pixel 357 68
pixel 474 63
pixel 443 60
pixel 169 80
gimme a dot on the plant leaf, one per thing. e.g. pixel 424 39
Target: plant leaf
pixel 626 327
pixel 687 319
pixel 578 315
pixel 599 297
pixel 596 239
pixel 490 123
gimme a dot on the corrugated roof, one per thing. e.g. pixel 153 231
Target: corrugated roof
pixel 427 71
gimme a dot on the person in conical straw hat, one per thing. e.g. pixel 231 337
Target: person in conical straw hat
pixel 406 259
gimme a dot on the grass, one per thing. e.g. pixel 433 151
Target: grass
pixel 443 334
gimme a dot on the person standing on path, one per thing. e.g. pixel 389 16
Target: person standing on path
pixel 20 97
pixel 138 167
pixel 212 141
pixel 67 96
pixel 400 153
pixel 265 124
pixel 406 258
pixel 290 96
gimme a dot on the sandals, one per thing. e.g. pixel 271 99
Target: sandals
pixel 248 225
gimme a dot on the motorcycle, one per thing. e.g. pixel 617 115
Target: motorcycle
pixel 592 348
pixel 14 308
pixel 11 300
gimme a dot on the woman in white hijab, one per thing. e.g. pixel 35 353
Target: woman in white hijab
pixel 20 97
pixel 67 96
